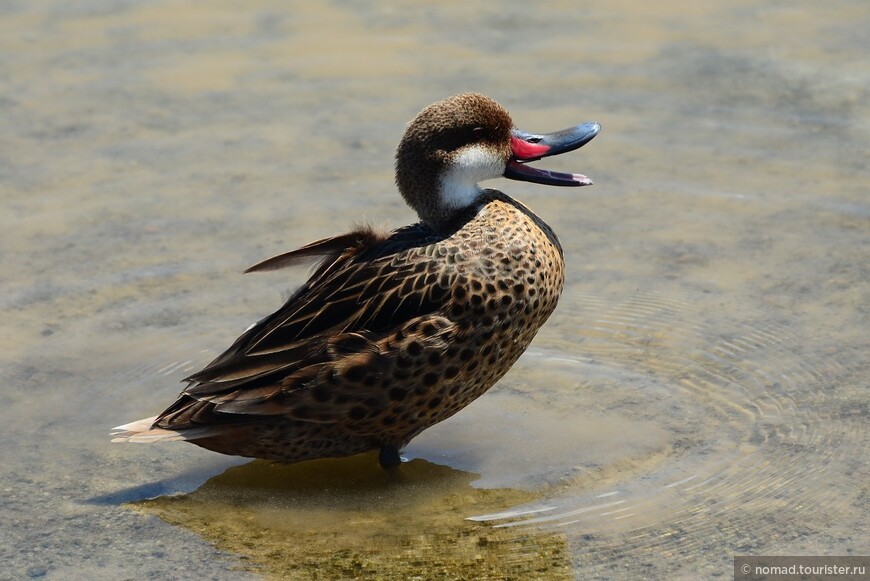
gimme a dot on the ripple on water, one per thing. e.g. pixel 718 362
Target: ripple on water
pixel 756 431
pixel 653 427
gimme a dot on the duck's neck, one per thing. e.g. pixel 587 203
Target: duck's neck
pixel 456 192
pixel 452 213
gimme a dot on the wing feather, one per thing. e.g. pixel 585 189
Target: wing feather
pixel 323 251
pixel 366 287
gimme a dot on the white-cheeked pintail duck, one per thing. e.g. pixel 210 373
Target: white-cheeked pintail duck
pixel 397 331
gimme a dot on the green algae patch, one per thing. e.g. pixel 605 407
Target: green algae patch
pixel 340 519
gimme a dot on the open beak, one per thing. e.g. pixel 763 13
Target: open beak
pixel 528 147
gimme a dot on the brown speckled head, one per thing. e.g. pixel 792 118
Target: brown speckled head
pixel 447 149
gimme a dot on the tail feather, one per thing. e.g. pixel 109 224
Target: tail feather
pixel 144 432
pixel 137 426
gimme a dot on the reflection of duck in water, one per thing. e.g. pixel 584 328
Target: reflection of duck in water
pixel 396 331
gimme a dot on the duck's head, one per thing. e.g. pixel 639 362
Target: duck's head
pixel 454 144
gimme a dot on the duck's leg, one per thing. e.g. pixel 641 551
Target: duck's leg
pixel 389 456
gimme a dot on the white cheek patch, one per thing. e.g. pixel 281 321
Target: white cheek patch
pixel 470 165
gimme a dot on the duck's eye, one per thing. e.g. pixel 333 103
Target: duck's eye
pixel 477 133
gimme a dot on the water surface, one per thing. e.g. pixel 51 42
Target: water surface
pixel 700 392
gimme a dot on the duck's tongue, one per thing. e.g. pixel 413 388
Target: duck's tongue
pixel 529 147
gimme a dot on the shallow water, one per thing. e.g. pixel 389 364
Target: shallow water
pixel 700 392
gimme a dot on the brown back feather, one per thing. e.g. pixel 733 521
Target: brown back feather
pixel 362 288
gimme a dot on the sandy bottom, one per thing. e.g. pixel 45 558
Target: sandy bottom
pixel 700 392
pixel 350 519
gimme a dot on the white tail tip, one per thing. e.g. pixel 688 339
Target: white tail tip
pixel 137 426
pixel 143 432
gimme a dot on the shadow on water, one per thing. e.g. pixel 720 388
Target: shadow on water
pixel 344 518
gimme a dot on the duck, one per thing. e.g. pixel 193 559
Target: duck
pixel 394 331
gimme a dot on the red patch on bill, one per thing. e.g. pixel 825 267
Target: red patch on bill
pixel 524 150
